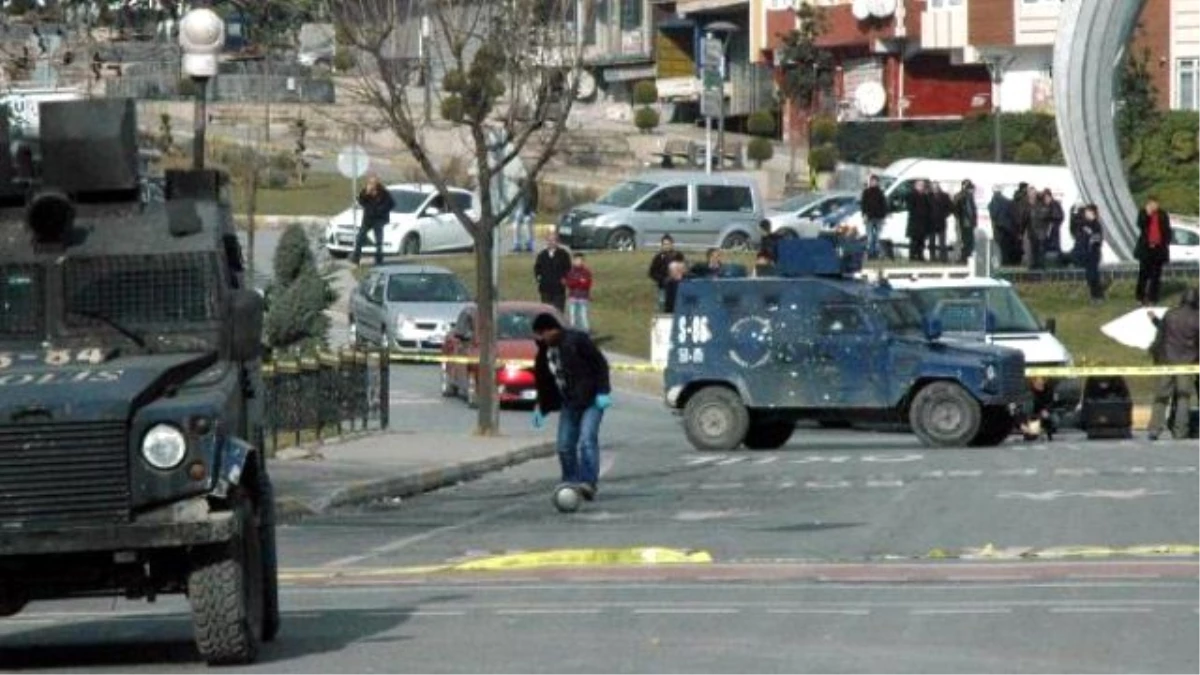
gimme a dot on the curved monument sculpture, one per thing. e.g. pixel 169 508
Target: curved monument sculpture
pixel 1092 35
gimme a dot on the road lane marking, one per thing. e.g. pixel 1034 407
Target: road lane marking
pixel 1100 610
pixel 766 460
pixel 704 460
pixel 731 460
pixel 847 612
pixel 537 612
pixel 687 610
pixel 722 486
pixel 965 610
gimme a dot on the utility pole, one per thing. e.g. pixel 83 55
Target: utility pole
pixel 996 66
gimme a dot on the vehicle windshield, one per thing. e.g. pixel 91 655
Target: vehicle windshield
pixel 426 288
pixel 901 315
pixel 626 194
pixel 515 326
pixel 886 181
pixel 1006 312
pixel 407 201
pixel 798 202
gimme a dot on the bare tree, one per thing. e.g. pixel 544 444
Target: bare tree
pixel 512 71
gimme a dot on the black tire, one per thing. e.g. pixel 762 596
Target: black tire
pixel 997 426
pixel 944 415
pixel 12 601
pixel 715 419
pixel 225 587
pixel 621 239
pixel 736 241
pixel 769 435
pixel 448 388
pixel 411 245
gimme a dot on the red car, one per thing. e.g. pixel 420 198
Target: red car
pixel 514 342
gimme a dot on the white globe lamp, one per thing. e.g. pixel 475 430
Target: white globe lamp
pixel 201 38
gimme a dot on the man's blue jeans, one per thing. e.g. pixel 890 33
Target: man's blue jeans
pixel 579 444
pixel 873 227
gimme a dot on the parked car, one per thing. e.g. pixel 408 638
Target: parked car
pixel 420 223
pixel 698 210
pixel 1185 240
pixel 807 214
pixel 407 308
pixel 514 342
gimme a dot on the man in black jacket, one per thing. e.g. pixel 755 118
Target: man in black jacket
pixel 572 379
pixel 660 266
pixel 920 220
pixel 550 271
pixel 1177 344
pixel 875 213
pixel 966 213
pixel 942 209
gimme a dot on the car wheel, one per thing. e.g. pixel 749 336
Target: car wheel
pixel 225 587
pixel 715 419
pixel 411 245
pixel 472 390
pixel 944 415
pixel 736 241
pixel 622 239
pixel 448 388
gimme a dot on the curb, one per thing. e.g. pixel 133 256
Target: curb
pixel 409 484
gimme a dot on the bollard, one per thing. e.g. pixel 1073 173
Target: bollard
pixel 385 377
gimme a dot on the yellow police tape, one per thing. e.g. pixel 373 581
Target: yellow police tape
pixel 1072 371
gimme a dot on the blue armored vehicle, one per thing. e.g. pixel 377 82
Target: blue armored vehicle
pixel 131 438
pixel 751 357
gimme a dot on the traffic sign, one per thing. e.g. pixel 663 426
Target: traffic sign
pixel 353 161
pixel 710 102
pixel 714 53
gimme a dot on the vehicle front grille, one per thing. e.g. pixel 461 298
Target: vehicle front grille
pixel 427 325
pixel 63 473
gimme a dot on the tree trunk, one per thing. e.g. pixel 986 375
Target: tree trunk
pixel 486 297
pixel 251 210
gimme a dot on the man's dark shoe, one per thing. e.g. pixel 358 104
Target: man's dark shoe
pixel 588 491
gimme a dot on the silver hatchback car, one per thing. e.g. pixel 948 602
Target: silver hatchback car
pixel 698 210
pixel 407 308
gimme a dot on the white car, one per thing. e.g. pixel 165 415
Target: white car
pixel 420 223
pixel 807 215
pixel 1185 241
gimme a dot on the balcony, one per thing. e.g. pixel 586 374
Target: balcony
pixel 1037 22
pixel 944 28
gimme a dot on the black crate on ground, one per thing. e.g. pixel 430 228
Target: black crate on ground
pixel 1107 410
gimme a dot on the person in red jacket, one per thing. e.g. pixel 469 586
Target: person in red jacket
pixel 579 293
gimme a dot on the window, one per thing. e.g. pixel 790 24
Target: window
pixel 462 200
pixel 515 326
pixel 724 198
pixel 1187 90
pixel 841 320
pixel 626 194
pixel 674 198
pixel 425 288
pixel 1006 312
pixel 1182 237
pixel 407 201
pixel 946 4
pixel 631 14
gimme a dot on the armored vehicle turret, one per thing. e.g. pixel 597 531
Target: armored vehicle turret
pixel 130 391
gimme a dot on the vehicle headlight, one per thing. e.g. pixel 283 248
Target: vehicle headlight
pixel 401 320
pixel 989 373
pixel 164 446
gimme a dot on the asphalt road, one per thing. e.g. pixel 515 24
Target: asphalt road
pixel 865 499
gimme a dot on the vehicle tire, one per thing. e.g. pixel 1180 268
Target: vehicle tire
pixel 715 419
pixel 338 255
pixel 996 427
pixel 621 239
pixel 448 388
pixel 12 601
pixel 225 588
pixel 411 245
pixel 736 241
pixel 769 435
pixel 271 619
pixel 944 415
pixel 472 390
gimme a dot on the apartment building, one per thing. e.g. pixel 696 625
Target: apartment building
pixel 935 58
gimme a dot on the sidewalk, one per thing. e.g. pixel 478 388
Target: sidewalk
pixel 361 469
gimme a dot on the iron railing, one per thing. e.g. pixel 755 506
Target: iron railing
pixel 311 398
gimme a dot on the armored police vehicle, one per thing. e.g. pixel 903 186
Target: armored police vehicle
pixel 130 386
pixel 751 357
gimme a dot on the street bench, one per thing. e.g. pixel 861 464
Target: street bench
pixel 676 151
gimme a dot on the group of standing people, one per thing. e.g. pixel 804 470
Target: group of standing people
pixel 1027 225
pixel 564 281
pixel 929 211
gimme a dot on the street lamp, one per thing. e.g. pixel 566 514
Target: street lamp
pixel 996 66
pixel 722 30
pixel 201 37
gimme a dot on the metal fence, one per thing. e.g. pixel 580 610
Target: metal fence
pixel 312 398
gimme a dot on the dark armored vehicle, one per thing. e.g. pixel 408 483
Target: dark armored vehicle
pixel 751 357
pixel 130 386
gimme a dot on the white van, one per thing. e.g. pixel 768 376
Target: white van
pixel 897 181
pixel 1009 323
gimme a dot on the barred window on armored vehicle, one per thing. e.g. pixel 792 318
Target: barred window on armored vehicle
pixel 148 291
pixel 21 306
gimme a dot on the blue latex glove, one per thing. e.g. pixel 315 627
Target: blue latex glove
pixel 538 418
pixel 604 401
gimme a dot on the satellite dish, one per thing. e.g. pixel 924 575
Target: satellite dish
pixel 870 98
pixel 882 8
pixel 860 10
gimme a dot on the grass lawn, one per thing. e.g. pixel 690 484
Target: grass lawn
pixel 322 195
pixel 623 302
